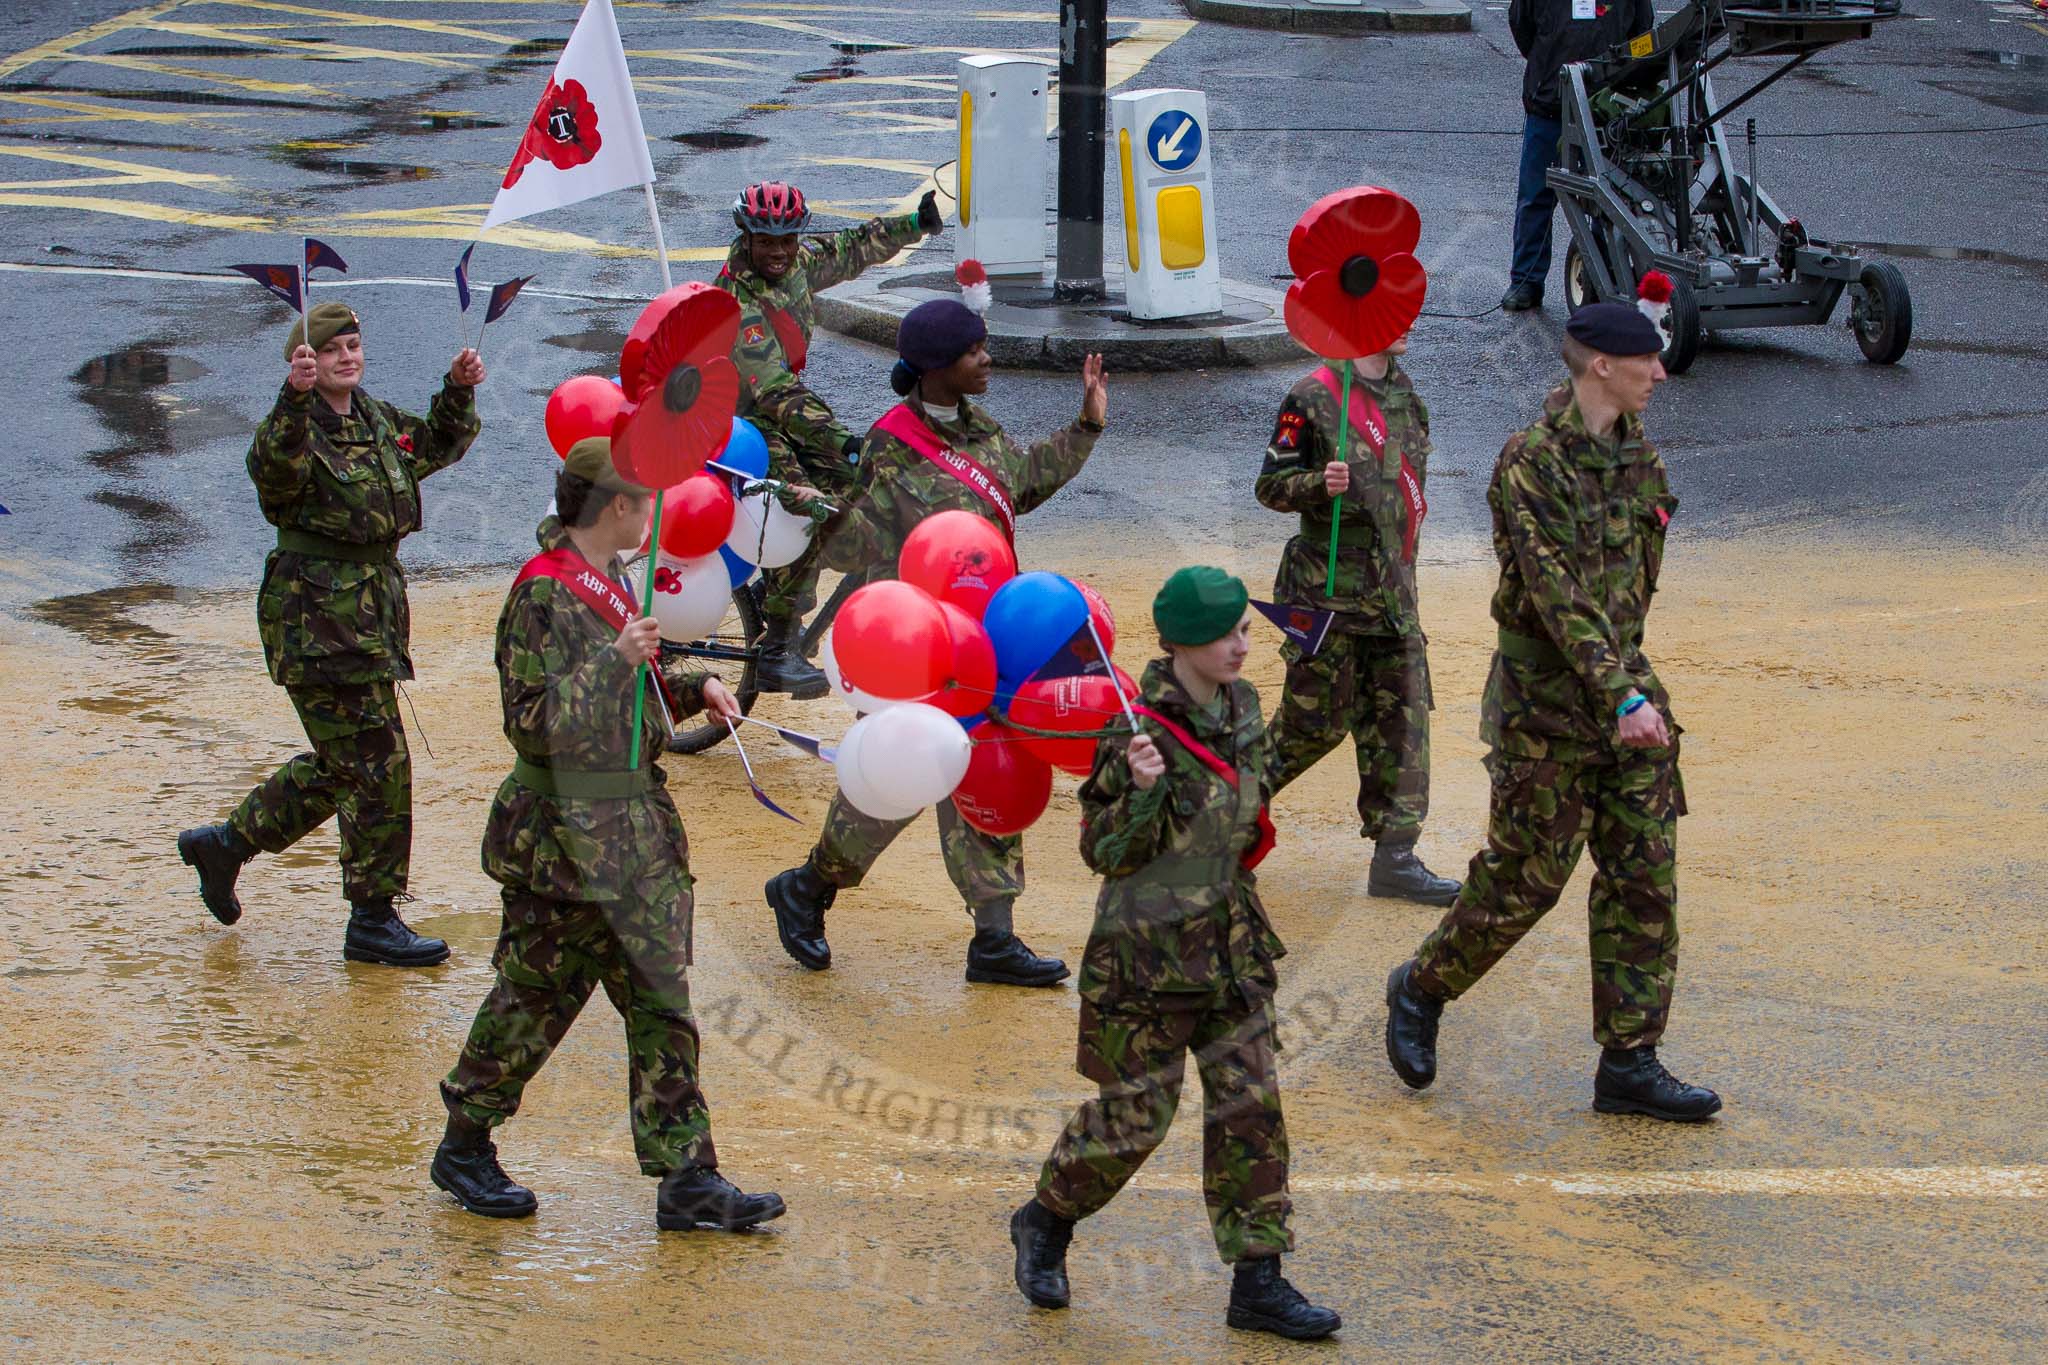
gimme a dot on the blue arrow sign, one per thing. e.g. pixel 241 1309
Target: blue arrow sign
pixel 1174 140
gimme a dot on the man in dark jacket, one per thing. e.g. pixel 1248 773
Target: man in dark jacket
pixel 1551 33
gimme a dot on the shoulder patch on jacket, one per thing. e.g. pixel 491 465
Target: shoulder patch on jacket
pixel 1287 431
pixel 754 335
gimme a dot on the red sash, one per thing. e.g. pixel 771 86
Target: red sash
pixel 1254 855
pixel 911 429
pixel 593 589
pixel 1367 418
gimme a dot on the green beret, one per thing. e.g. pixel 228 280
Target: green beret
pixel 590 460
pixel 329 321
pixel 1199 605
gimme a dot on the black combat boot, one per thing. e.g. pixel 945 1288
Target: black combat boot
pixel 1398 873
pixel 696 1197
pixel 376 934
pixel 1412 1017
pixel 997 957
pixel 466 1165
pixel 779 664
pixel 1632 1081
pixel 1261 1300
pixel 1522 297
pixel 800 898
pixel 1041 1238
pixel 218 853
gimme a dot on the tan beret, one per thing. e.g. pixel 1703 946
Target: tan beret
pixel 329 320
pixel 590 459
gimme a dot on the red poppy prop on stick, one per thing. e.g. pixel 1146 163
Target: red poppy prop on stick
pixel 685 391
pixel 1357 290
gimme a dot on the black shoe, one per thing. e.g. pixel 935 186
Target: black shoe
pixel 1398 873
pixel 218 853
pixel 998 959
pixel 1411 1028
pixel 1633 1081
pixel 779 665
pixel 800 898
pixel 1261 1300
pixel 1041 1238
pixel 1520 298
pixel 466 1165
pixel 693 1197
pixel 376 934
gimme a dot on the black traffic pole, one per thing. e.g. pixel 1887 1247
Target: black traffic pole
pixel 1084 52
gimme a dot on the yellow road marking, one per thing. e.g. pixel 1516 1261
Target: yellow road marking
pixel 899 122
pixel 1151 38
pixel 135 172
pixel 90 112
pixel 460 223
pixel 57 48
pixel 456 61
pixel 341 18
pixel 702 58
pixel 129 208
pixel 193 73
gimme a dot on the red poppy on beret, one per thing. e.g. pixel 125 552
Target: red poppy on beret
pixel 1358 287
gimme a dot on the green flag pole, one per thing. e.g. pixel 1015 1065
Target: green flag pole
pixel 1337 508
pixel 640 674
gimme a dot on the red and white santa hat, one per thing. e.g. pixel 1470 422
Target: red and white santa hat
pixel 974 287
pixel 1653 297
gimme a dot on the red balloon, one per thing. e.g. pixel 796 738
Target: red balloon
pixel 957 557
pixel 1007 787
pixel 1099 613
pixel 580 407
pixel 891 641
pixel 697 516
pixel 972 686
pixel 1077 705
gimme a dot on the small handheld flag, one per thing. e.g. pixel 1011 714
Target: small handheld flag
pixel 462 277
pixel 1306 626
pixel 502 296
pixel 281 280
pixel 320 256
pixel 753 784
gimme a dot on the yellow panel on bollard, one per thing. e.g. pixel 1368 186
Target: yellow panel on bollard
pixel 1169 203
pixel 1003 163
pixel 1179 213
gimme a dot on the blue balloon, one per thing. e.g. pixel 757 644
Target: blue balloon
pixel 1030 619
pixel 735 567
pixel 746 452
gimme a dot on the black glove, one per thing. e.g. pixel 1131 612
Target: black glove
pixel 928 216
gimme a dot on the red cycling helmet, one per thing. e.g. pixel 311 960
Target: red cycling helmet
pixel 772 207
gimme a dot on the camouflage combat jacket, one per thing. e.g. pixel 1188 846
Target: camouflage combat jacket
pixel 901 487
pixel 1178 913
pixel 340 616
pixel 770 393
pixel 568 702
pixel 1375 587
pixel 1578 527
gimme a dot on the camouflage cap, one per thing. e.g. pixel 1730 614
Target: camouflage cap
pixel 1199 605
pixel 329 320
pixel 590 459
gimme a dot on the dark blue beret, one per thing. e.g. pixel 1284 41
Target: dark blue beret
pixel 1614 329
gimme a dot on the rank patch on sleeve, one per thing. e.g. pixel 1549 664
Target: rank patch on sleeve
pixel 1287 432
pixel 754 335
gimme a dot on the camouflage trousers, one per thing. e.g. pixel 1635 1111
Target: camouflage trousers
pixel 550 955
pixel 1544 813
pixel 985 867
pixel 1374 688
pixel 792 590
pixel 1136 1050
pixel 359 771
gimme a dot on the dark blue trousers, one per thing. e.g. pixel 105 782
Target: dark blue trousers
pixel 1534 201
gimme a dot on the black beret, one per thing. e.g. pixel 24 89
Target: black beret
pixel 1614 329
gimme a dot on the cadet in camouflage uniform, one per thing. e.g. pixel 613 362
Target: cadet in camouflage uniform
pixel 593 864
pixel 1180 960
pixel 943 359
pixel 1370 679
pixel 338 473
pixel 1583 749
pixel 774 273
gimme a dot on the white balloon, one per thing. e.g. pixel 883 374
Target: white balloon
pixel 911 756
pixel 861 794
pixel 690 600
pixel 863 703
pixel 766 534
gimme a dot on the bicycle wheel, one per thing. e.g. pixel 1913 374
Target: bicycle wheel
pixel 728 655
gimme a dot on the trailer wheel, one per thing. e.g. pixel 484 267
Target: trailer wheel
pixel 1682 327
pixel 1881 313
pixel 1578 281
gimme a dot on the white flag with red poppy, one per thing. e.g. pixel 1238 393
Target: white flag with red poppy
pixel 584 138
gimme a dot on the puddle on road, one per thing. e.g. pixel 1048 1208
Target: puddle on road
pixel 129 391
pixel 2033 265
pixel 208 98
pixel 2018 96
pixel 215 50
pixel 838 71
pixel 863 49
pixel 719 140
pixel 2015 61
pixel 452 122
pixel 361 172
pixel 596 341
